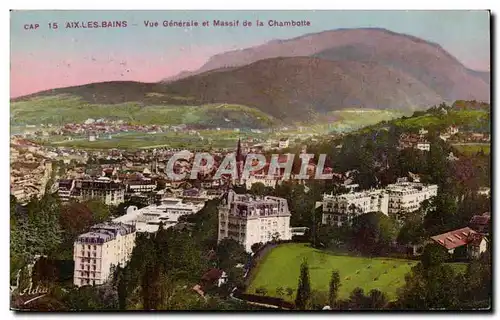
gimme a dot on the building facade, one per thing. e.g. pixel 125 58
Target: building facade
pixel 248 219
pixel 103 189
pixel 396 200
pixel 340 209
pixel 283 143
pixel 405 197
pixel 167 212
pixel 262 178
pixel 97 251
pixel 140 185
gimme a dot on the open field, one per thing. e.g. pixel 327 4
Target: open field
pixel 473 118
pixel 473 148
pixel 138 140
pixel 61 109
pixel 281 267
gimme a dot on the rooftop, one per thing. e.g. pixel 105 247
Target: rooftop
pixel 104 232
pixel 456 238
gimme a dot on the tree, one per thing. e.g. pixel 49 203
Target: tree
pixel 256 246
pixel 230 253
pixel 151 286
pixel 75 218
pixel 319 299
pixel 334 288
pixel 303 298
pixel 289 291
pixel 433 255
pixel 434 287
pixel 90 298
pixel 280 291
pixel 100 211
pixel 373 232
pixel 412 231
pixel 377 299
pixel 261 291
pixel 357 299
pixel 275 237
pixel 258 189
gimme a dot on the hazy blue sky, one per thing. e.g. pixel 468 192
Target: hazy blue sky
pixel 44 58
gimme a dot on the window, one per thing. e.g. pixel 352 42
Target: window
pixel 95 247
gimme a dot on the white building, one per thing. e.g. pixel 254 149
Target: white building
pixel 444 137
pixel 97 251
pixel 453 130
pixel 484 191
pixel 250 220
pixel 407 196
pixel 64 189
pixel 423 145
pixel 148 219
pixel 284 143
pixel 143 185
pixel 341 209
pixel 262 178
pixel 395 200
pixel 102 188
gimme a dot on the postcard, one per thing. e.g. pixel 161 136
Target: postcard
pixel 250 160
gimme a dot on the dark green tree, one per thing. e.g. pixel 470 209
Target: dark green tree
pixel 433 255
pixel 303 298
pixel 377 299
pixel 333 292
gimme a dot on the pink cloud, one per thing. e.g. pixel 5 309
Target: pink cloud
pixel 31 73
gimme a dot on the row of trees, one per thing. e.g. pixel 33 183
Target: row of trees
pixel 431 285
pixel 308 299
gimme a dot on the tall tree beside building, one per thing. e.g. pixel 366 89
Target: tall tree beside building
pixel 303 299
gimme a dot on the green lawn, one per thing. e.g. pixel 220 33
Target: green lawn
pixel 61 109
pixel 472 149
pixel 473 118
pixel 281 267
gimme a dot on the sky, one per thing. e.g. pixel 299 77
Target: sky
pixel 45 58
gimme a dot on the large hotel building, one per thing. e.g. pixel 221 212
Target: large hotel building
pixel 102 188
pixel 395 200
pixel 97 251
pixel 248 219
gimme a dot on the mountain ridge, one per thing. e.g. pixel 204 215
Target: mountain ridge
pixel 215 61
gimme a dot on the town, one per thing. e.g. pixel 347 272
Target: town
pixel 321 160
pixel 255 212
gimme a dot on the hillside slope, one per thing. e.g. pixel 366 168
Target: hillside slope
pixel 296 88
pixel 425 61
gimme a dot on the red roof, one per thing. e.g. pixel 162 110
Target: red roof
pixel 455 238
pixel 212 275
